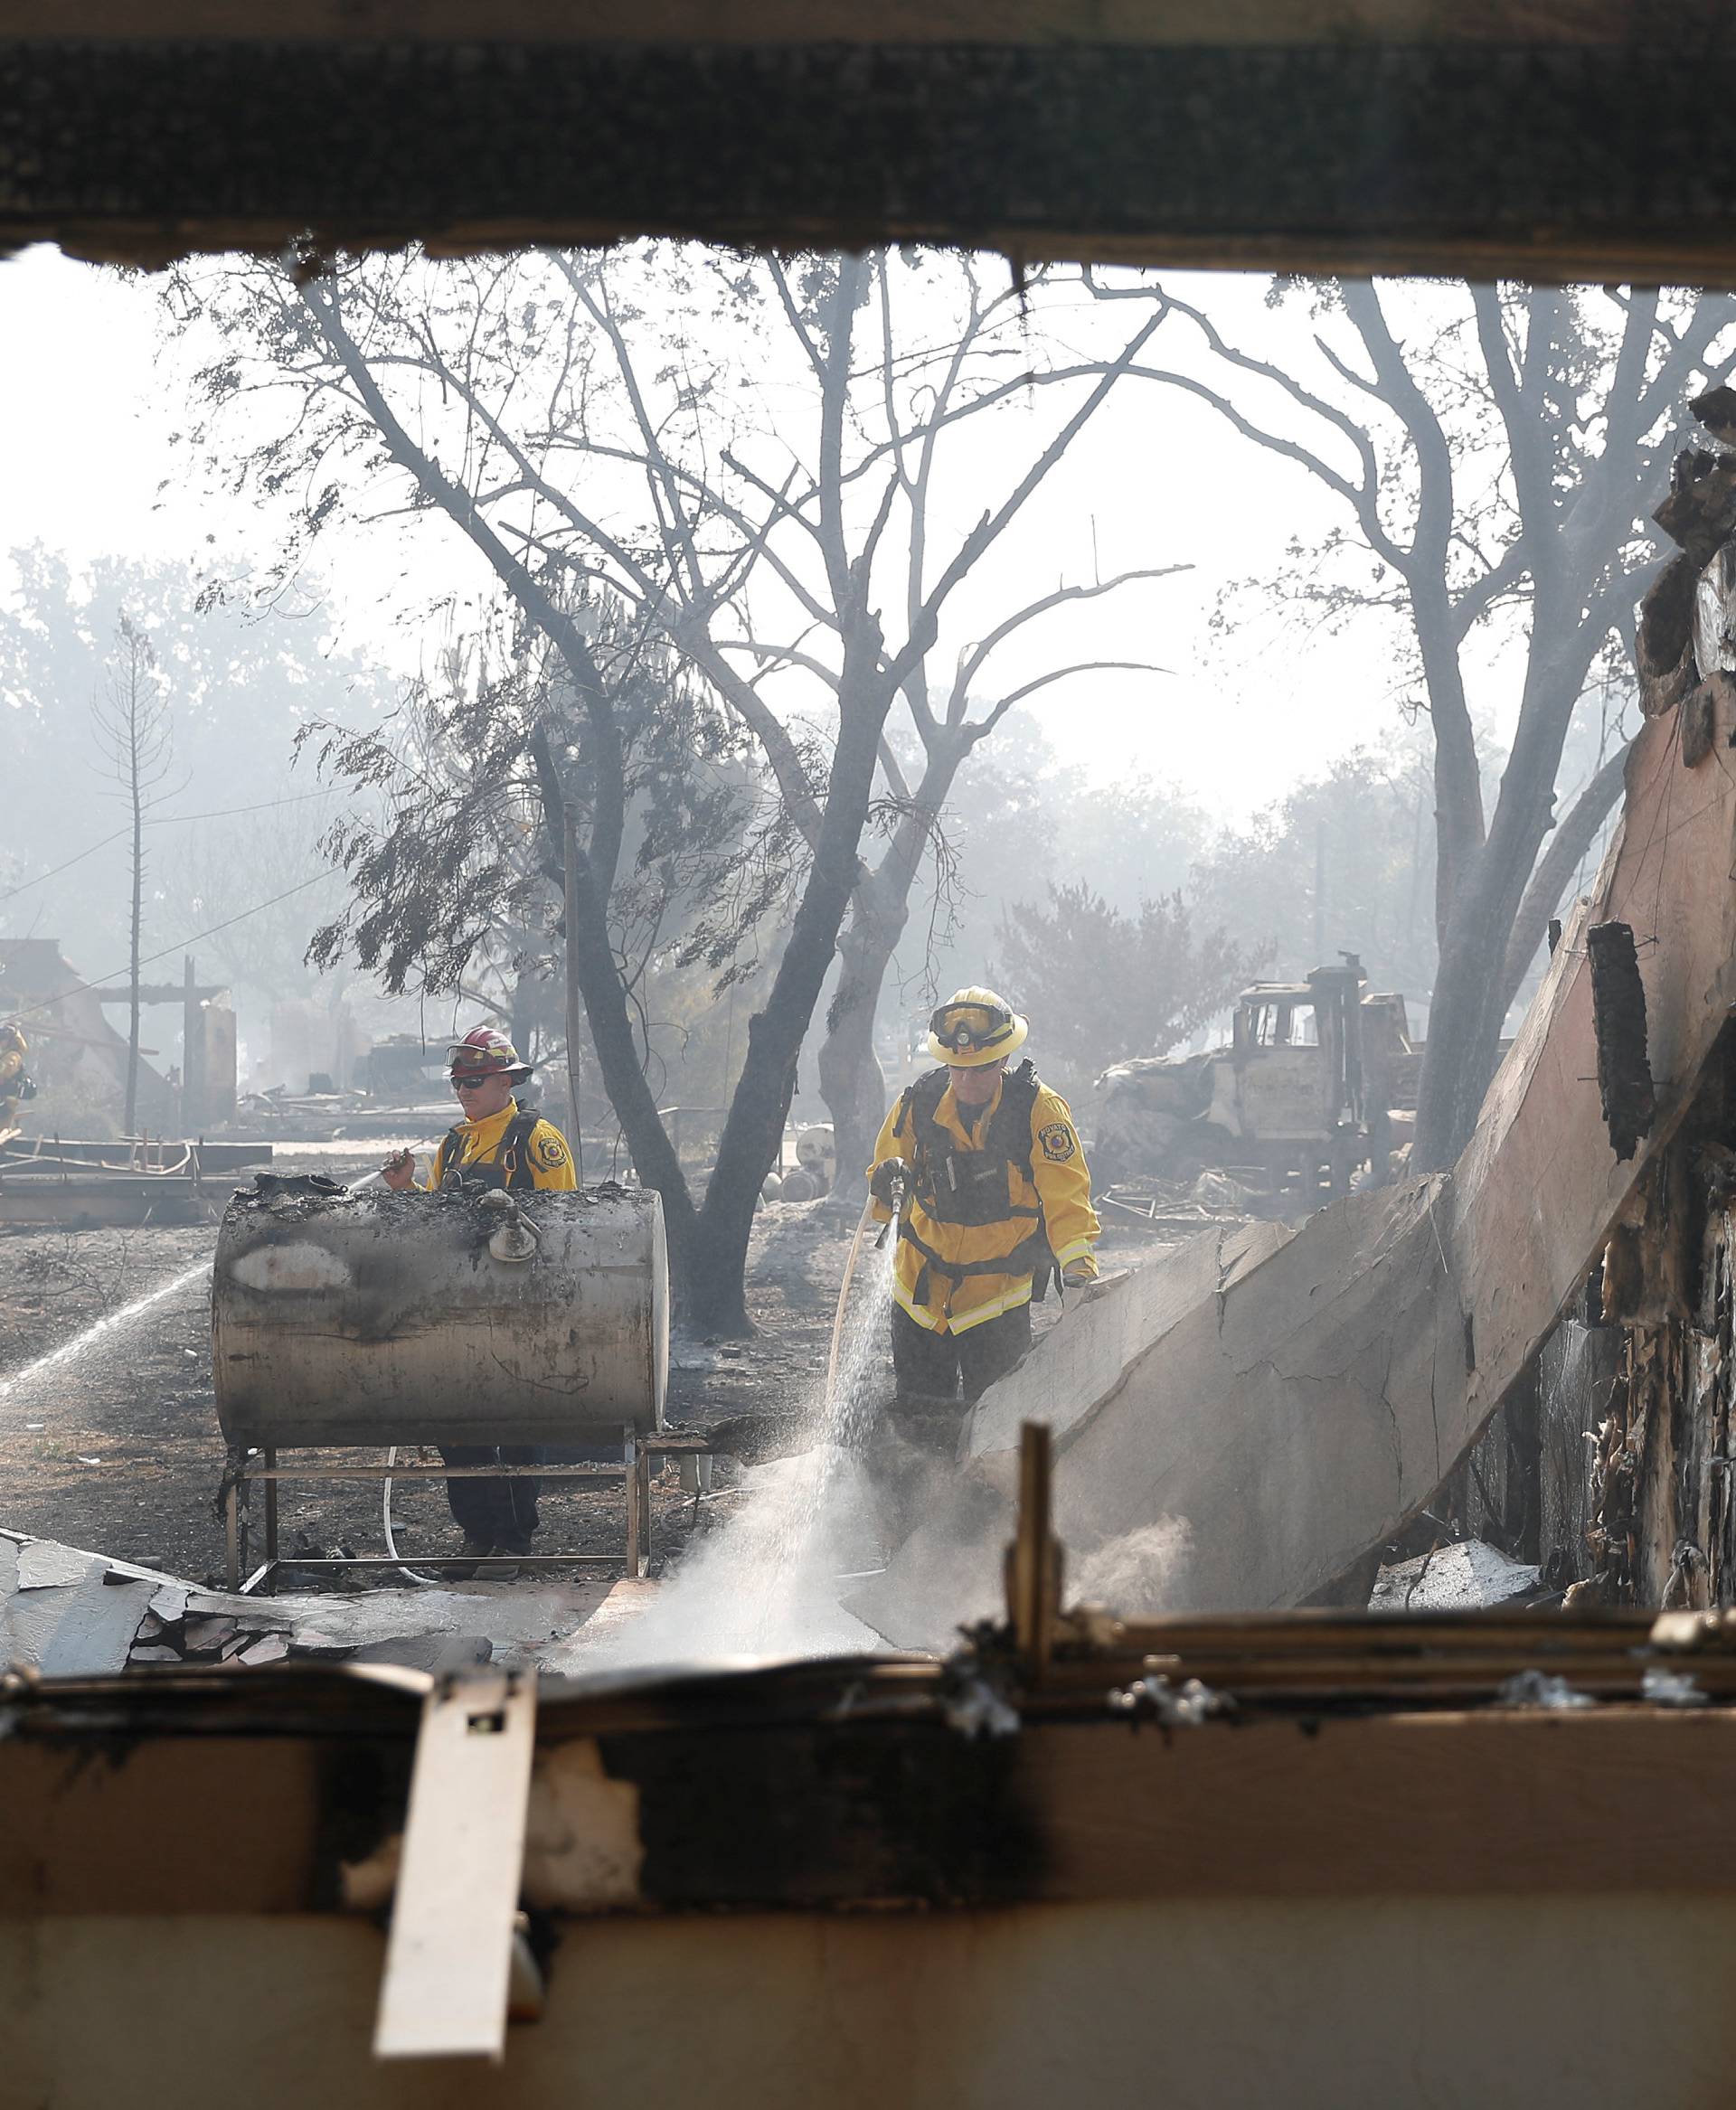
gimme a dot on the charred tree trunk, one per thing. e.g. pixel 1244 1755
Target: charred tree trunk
pixel 1573 838
pixel 1472 993
pixel 592 966
pixel 137 917
pixel 1465 1014
pixel 852 1082
pixel 753 1130
pixel 591 954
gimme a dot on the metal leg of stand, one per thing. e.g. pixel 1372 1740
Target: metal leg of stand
pixel 232 1534
pixel 635 1506
pixel 271 1526
pixel 642 1482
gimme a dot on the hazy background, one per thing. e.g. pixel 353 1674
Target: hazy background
pixel 1273 733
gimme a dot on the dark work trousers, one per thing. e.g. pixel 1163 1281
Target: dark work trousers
pixel 930 1366
pixel 500 1511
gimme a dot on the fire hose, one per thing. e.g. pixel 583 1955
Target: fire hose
pixel 843 1298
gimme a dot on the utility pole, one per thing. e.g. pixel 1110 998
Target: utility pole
pixel 193 1050
pixel 132 722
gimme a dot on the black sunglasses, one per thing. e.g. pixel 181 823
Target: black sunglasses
pixel 470 1083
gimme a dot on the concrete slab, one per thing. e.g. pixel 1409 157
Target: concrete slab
pixel 627 1601
pixel 93 1636
pixel 44 1564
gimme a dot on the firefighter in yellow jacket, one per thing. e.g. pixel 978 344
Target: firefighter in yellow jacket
pixel 495 1145
pixel 14 1079
pixel 995 1198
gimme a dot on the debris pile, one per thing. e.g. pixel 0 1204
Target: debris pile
pixel 71 1614
pixel 1466 1576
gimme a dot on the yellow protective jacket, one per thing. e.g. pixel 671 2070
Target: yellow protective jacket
pixel 1047 1192
pixel 12 1052
pixel 545 1156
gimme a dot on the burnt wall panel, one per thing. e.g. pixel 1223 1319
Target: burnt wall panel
pixel 1579 1372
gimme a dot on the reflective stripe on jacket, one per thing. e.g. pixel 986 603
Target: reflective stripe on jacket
pixel 1057 1184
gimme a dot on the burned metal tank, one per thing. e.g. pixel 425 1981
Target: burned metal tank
pixel 446 1317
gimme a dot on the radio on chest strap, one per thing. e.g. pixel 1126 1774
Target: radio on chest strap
pixel 510 1166
pixel 974 1187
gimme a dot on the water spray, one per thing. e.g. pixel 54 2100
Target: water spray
pixel 843 1296
pixel 68 1350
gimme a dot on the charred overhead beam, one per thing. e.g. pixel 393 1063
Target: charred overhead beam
pixel 1300 135
pixel 859 1783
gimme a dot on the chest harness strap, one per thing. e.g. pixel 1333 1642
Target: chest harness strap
pixel 974 1187
pixel 510 1165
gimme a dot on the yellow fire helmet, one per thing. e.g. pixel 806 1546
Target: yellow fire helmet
pixel 974 1026
pixel 13 1036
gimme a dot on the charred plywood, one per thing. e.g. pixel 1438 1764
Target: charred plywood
pixel 1043 1904
pixel 1644 1515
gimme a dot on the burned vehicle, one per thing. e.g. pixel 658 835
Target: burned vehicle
pixel 1316 1082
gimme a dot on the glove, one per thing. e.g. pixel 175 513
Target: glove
pixel 887 1177
pixel 1078 1274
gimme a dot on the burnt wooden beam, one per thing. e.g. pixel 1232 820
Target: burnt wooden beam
pixel 165 993
pixel 1554 140
pixel 1349 1757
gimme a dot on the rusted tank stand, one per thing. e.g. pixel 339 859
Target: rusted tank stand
pixel 261 1465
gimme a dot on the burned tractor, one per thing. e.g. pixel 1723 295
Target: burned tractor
pixel 1314 1084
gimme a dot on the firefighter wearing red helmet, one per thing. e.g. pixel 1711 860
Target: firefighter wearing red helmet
pixel 496 1143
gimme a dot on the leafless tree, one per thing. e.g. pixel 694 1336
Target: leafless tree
pixel 137 736
pixel 1491 449
pixel 610 419
pixel 486 800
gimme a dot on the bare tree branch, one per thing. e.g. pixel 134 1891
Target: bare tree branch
pixel 970 662
pixel 983 726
